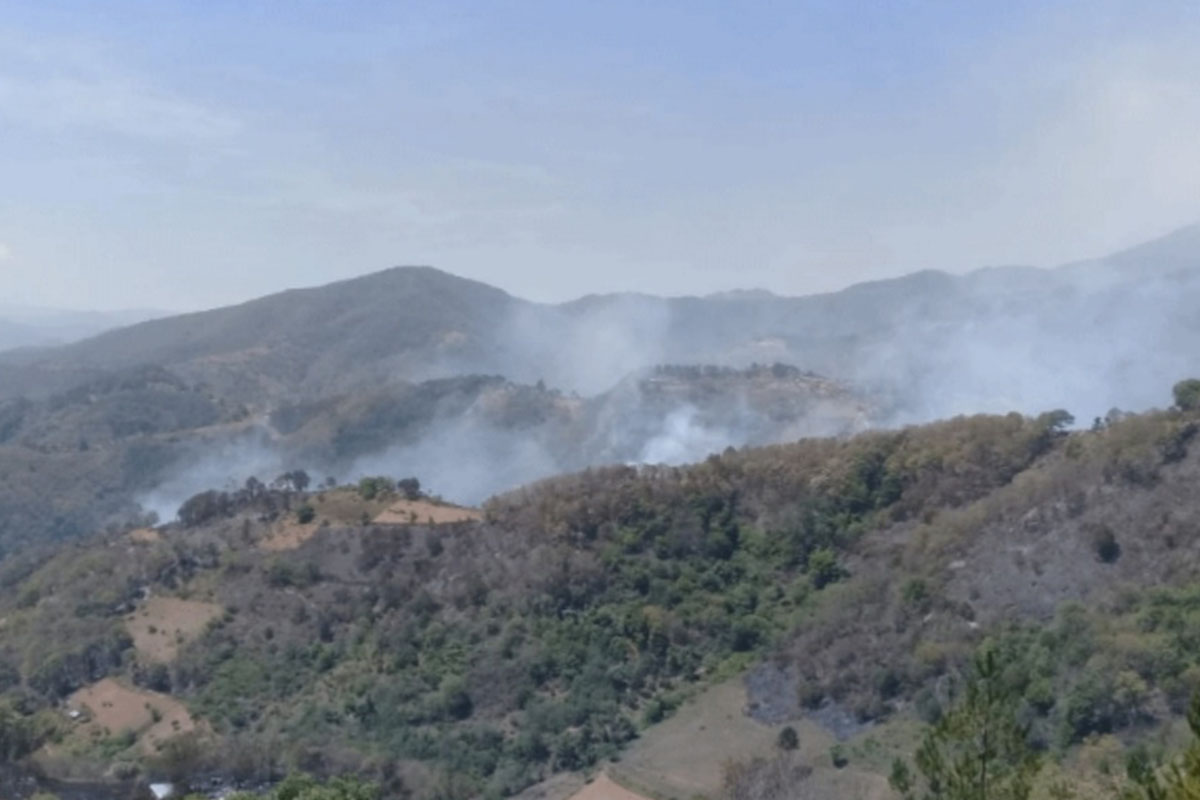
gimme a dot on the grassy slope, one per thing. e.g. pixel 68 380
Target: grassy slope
pixel 584 606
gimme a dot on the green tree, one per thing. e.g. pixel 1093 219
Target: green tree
pixel 788 739
pixel 1176 781
pixel 978 750
pixel 1187 394
pixel 823 568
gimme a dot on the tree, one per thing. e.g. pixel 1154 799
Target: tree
pixel 1177 781
pixel 978 750
pixel 823 568
pixel 410 488
pixel 1187 394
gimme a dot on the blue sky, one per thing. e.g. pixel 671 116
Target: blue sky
pixel 185 155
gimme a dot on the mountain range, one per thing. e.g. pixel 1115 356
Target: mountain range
pixel 415 371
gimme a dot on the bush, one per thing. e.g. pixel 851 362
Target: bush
pixel 370 488
pixel 823 568
pixel 305 514
pixel 788 739
pixel 1187 394
pixel 1106 546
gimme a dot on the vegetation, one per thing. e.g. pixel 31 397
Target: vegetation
pixel 545 637
pixel 977 750
pixel 1187 394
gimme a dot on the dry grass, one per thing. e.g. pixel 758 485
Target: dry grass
pixel 161 625
pixel 605 788
pixel 113 708
pixel 288 534
pixel 686 756
pixel 145 536
pixel 411 512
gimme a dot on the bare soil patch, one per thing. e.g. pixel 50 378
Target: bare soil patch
pixel 145 536
pixel 113 708
pixel 605 788
pixel 424 512
pixel 161 625
pixel 288 534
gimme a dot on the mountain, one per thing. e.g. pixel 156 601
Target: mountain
pixel 413 371
pixel 23 327
pixel 839 587
pixel 1088 336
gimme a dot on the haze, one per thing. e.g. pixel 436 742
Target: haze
pixel 184 156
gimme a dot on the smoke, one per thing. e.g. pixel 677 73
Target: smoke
pixel 683 439
pixel 1088 338
pixel 223 465
pixel 465 461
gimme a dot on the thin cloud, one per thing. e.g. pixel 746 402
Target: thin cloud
pixel 85 90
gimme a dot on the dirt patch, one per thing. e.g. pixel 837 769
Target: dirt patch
pixel 288 535
pixel 112 708
pixel 605 788
pixel 423 512
pixel 161 625
pixel 145 536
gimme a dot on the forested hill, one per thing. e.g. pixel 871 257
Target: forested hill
pixel 435 648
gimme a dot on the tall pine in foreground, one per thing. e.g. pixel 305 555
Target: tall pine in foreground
pixel 977 750
pixel 1177 781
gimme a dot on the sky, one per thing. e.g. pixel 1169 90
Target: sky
pixel 184 155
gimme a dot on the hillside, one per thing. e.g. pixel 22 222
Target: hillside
pixel 406 370
pixel 852 578
pixel 143 439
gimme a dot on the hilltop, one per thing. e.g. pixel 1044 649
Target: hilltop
pixel 377 630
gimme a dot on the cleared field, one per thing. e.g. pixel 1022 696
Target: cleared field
pixel 161 625
pixel 605 788
pixel 686 756
pixel 113 708
pixel 412 512
pixel 288 534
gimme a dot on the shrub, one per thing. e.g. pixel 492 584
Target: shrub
pixel 788 739
pixel 1106 546
pixel 1187 394
pixel 823 568
pixel 305 514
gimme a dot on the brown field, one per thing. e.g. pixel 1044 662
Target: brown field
pixel 145 536
pixel 161 625
pixel 605 788
pixel 113 708
pixel 288 534
pixel 685 756
pixel 408 512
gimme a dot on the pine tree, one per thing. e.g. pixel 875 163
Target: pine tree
pixel 978 750
pixel 1177 781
